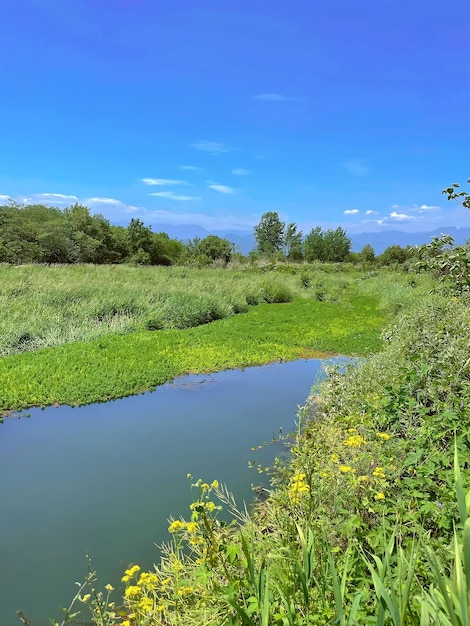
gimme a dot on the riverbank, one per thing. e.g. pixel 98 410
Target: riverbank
pixel 359 528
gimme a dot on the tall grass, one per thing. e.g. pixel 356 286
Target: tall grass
pixel 45 306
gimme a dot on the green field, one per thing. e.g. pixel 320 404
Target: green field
pixel 81 334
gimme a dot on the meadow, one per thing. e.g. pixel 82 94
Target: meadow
pixel 80 334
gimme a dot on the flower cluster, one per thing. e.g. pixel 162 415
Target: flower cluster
pixel 298 488
pixel 354 441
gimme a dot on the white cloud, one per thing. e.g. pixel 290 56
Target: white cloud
pixel 59 196
pixel 425 207
pixel 221 188
pixel 190 168
pixel 213 147
pixel 3 197
pixel 397 217
pixel 277 97
pixel 162 182
pixel 351 211
pixel 172 196
pixel 355 167
pixel 102 201
pixel 241 172
pixel 369 212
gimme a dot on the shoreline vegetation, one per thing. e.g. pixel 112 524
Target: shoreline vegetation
pixel 368 523
pixel 83 334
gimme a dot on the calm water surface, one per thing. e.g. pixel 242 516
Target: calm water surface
pixel 104 478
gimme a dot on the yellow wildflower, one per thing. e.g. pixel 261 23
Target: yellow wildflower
pixel 148 579
pixel 175 526
pixel 109 588
pixel 363 479
pixel 379 472
pixel 354 441
pixel 86 597
pixel 210 506
pixel 130 573
pixel 126 622
pixel 192 527
pixel 205 486
pixel 334 458
pixel 298 486
pixel 145 605
pixel 132 591
pixel 380 495
pixel 189 476
pixel 344 469
pixel 384 436
pixel 215 484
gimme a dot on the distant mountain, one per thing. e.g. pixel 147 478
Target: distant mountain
pixel 245 241
pixel 380 241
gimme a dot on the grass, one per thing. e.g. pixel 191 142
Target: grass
pixel 337 313
pixel 46 306
pixel 117 365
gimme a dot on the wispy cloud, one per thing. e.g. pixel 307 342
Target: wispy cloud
pixel 424 207
pixel 55 196
pixel 96 200
pixel 189 168
pixel 3 197
pixel 213 147
pixel 356 167
pixel 397 217
pixel 241 172
pixel 369 212
pixel 277 97
pixel 173 196
pixel 220 188
pixel 351 211
pixel 163 182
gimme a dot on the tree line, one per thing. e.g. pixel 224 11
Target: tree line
pixel 37 233
pixel 277 239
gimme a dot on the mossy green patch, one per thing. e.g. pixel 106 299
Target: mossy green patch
pixel 120 365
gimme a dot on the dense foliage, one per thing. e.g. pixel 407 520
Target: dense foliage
pixel 35 233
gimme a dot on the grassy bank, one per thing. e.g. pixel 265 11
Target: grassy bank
pixel 312 312
pixel 365 526
pixel 47 306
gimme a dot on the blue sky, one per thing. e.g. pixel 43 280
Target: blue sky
pixel 211 112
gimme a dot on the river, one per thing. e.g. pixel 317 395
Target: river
pixel 105 478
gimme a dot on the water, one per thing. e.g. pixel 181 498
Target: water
pixel 105 478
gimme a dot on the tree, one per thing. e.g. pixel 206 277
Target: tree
pixel 462 197
pixel 269 233
pixel 90 235
pixel 337 245
pixel 314 245
pixel 216 248
pixel 393 255
pixel 293 243
pixel 367 254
